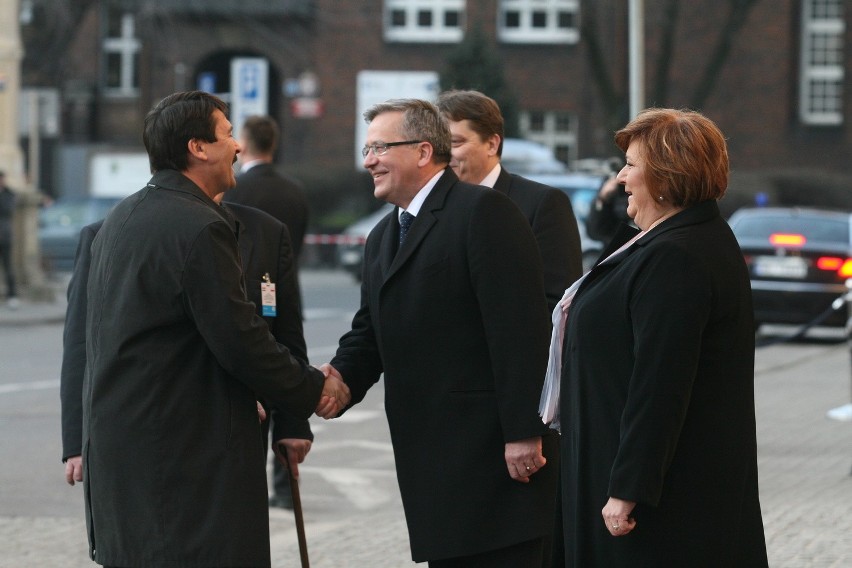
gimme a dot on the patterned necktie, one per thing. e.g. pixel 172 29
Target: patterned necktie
pixel 405 220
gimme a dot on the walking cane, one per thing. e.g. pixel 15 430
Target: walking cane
pixel 297 509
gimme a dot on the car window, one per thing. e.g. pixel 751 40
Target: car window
pixel 812 228
pixel 65 215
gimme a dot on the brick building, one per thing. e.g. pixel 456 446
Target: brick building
pixel 780 90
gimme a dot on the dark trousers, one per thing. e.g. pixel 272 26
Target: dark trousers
pixel 6 258
pixel 521 555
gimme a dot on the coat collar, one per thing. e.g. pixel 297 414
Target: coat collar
pixel 173 180
pixel 504 181
pixel 698 213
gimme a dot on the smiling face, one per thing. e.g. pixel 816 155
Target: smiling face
pixel 642 206
pixel 223 152
pixel 473 157
pixel 396 174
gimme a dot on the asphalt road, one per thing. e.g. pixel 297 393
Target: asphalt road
pixel 349 492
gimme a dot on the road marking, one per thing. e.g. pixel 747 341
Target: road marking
pixel 359 486
pixel 30 386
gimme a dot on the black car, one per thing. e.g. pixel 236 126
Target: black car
pixel 798 260
pixel 59 228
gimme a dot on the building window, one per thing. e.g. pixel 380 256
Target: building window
pixel 424 21
pixel 121 55
pixel 538 21
pixel 822 60
pixel 555 129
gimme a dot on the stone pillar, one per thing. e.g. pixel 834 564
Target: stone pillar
pixel 28 271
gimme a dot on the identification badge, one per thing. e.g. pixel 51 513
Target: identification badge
pixel 267 297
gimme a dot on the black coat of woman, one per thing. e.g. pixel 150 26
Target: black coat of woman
pixel 659 460
pixel 658 402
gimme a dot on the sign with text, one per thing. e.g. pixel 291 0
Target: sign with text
pixel 249 89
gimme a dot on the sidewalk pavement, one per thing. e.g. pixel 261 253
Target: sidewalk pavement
pixel 31 312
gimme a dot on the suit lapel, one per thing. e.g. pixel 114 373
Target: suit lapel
pixel 504 182
pixel 426 219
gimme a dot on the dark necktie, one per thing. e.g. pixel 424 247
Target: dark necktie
pixel 405 220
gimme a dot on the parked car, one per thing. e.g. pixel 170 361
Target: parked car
pixel 350 248
pixel 59 228
pixel 798 260
pixel 525 157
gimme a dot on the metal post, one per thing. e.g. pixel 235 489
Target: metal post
pixel 637 57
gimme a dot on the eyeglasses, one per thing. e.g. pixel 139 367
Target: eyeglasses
pixel 381 148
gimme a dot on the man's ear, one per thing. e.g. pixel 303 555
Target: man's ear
pixel 494 144
pixel 426 151
pixel 196 149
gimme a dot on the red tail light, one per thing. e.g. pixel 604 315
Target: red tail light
pixel 787 239
pixel 843 266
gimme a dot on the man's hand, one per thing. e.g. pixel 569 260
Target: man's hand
pixel 616 516
pixel 74 469
pixel 524 458
pixel 335 393
pixel 296 449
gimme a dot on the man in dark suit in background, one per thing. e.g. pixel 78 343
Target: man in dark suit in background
pixel 476 125
pixel 262 186
pixel 456 319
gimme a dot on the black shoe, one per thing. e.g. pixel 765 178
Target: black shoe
pixel 281 501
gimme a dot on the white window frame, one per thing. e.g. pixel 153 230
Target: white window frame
pixel 551 33
pixel 411 32
pixel 127 46
pixel 550 135
pixel 813 76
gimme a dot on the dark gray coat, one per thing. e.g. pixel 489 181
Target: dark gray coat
pixel 457 321
pixel 176 357
pixel 657 402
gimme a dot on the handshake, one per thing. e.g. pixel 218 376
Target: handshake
pixel 335 394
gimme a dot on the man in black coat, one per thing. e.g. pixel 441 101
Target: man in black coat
pixel 456 319
pixel 260 185
pixel 267 258
pixel 176 358
pixel 476 125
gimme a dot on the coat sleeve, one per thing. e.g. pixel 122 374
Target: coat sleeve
pixel 558 239
pixel 505 269
pixel 358 358
pixel 670 303
pixel 215 300
pixel 74 347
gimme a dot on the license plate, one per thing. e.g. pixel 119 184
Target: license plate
pixel 780 267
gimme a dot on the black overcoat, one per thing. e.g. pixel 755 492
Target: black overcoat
pixel 173 457
pixel 283 197
pixel 551 218
pixel 657 402
pixel 457 321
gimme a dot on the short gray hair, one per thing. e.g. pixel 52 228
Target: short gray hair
pixel 421 120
